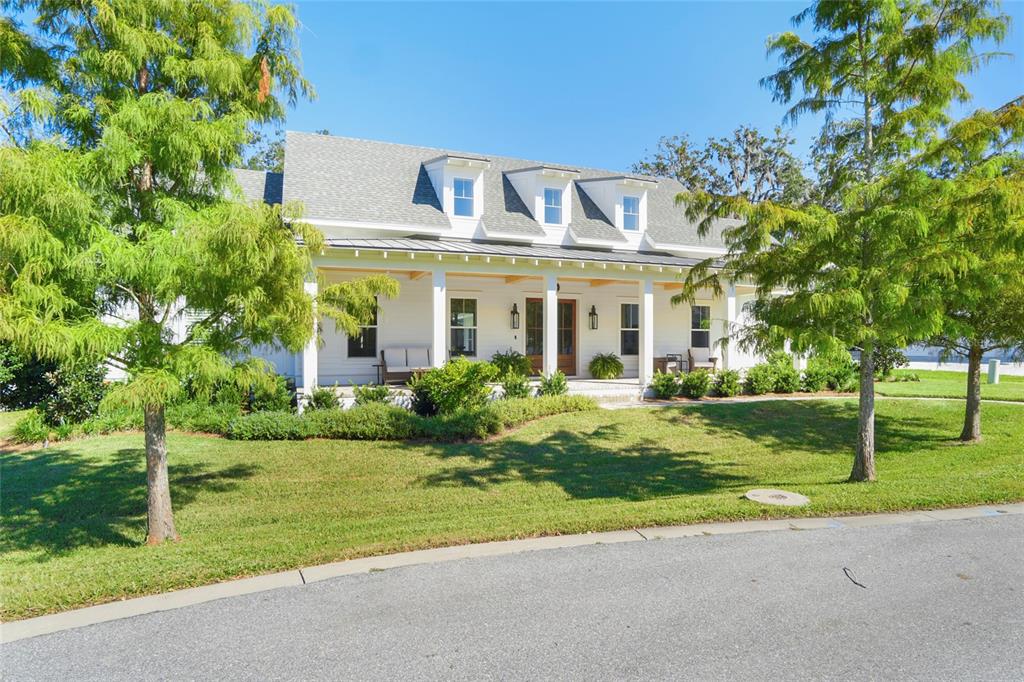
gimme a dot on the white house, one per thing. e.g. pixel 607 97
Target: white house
pixel 494 253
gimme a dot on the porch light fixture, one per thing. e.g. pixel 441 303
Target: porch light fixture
pixel 515 316
pixel 593 317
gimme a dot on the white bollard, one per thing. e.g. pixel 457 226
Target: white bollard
pixel 993 371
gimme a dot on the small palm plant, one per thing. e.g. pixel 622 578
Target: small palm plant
pixel 606 366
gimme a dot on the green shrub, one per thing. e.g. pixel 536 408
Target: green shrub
pixel 512 361
pixel 279 397
pixel 553 384
pixel 605 366
pixel 787 379
pixel 459 385
pixel 32 428
pixel 516 386
pixel 194 416
pixel 840 369
pixel 815 379
pixel 74 395
pixel 371 393
pixel 665 385
pixel 760 379
pixel 269 425
pixel 462 425
pixel 370 421
pixel 695 384
pixel 323 398
pixel 887 359
pixel 727 383
pixel 515 412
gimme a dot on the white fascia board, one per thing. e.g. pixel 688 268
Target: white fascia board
pixel 357 224
pixel 586 241
pixel 511 236
pixel 667 246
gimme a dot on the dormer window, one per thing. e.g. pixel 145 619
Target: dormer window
pixel 463 197
pixel 631 213
pixel 552 206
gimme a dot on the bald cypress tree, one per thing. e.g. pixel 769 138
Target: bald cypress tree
pixel 863 266
pixel 119 209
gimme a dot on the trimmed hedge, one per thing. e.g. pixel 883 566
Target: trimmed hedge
pixel 378 421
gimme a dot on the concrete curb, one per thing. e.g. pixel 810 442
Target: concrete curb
pixel 42 625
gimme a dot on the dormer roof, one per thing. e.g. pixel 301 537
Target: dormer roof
pixel 342 179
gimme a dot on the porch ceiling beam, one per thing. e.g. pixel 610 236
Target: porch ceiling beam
pixel 512 279
pixel 417 274
pixel 603 282
pixel 670 285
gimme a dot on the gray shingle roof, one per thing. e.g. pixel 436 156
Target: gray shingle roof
pixel 341 178
pixel 260 185
pixel 475 248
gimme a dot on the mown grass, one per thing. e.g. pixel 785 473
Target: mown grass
pixel 8 420
pixel 951 384
pixel 74 523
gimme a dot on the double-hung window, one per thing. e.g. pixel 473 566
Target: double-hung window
pixel 700 326
pixel 463 197
pixel 631 213
pixel 463 326
pixel 629 329
pixel 552 206
pixel 364 344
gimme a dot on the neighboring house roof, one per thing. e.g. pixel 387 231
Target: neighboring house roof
pixel 260 185
pixel 473 248
pixel 348 179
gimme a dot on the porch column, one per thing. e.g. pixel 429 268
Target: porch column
pixel 728 354
pixel 550 356
pixel 310 363
pixel 438 316
pixel 646 359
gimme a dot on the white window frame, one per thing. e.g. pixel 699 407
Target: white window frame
pixel 694 330
pixel 556 207
pixel 629 329
pixel 626 214
pixel 362 328
pixel 475 327
pixel 471 198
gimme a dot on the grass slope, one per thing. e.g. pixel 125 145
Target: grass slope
pixel 73 515
pixel 945 384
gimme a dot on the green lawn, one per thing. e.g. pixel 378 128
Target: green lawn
pixel 8 420
pixel 936 384
pixel 73 515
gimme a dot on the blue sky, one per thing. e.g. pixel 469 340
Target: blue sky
pixel 592 84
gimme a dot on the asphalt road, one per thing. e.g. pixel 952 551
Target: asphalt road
pixel 941 600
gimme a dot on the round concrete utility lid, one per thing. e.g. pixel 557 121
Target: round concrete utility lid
pixel 782 498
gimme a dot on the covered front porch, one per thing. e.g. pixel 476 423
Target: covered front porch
pixel 558 311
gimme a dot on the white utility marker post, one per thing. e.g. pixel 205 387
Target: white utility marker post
pixel 646 359
pixel 993 371
pixel 438 315
pixel 310 362
pixel 550 357
pixel 727 354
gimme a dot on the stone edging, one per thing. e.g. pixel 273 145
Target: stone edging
pixel 33 627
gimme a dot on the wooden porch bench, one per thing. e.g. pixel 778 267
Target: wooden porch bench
pixel 400 364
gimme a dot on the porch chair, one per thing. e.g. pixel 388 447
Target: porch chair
pixel 400 364
pixel 701 358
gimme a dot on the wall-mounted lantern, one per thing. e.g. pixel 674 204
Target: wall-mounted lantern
pixel 593 317
pixel 515 316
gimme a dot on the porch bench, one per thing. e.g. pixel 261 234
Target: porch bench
pixel 701 358
pixel 400 364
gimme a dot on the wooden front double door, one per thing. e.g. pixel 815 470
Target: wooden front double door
pixel 565 338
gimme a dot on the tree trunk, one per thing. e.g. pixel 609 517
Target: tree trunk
pixel 864 460
pixel 972 418
pixel 161 516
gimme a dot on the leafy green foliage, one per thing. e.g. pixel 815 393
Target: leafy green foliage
pixel 695 384
pixel 268 426
pixel 759 379
pixel 278 396
pixel 665 385
pixel 605 366
pixel 814 379
pixel 371 393
pixel 838 368
pixel 515 385
pixel 323 398
pixel 75 394
pixel 32 428
pixel 727 383
pixel 787 378
pixel 887 359
pixel 459 384
pixel 512 361
pixel 553 384
pixel 369 421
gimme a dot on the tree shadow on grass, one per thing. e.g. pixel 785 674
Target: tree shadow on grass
pixel 586 465
pixel 815 426
pixel 57 500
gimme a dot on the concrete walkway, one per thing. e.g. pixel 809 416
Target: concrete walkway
pixel 907 597
pixel 173 600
